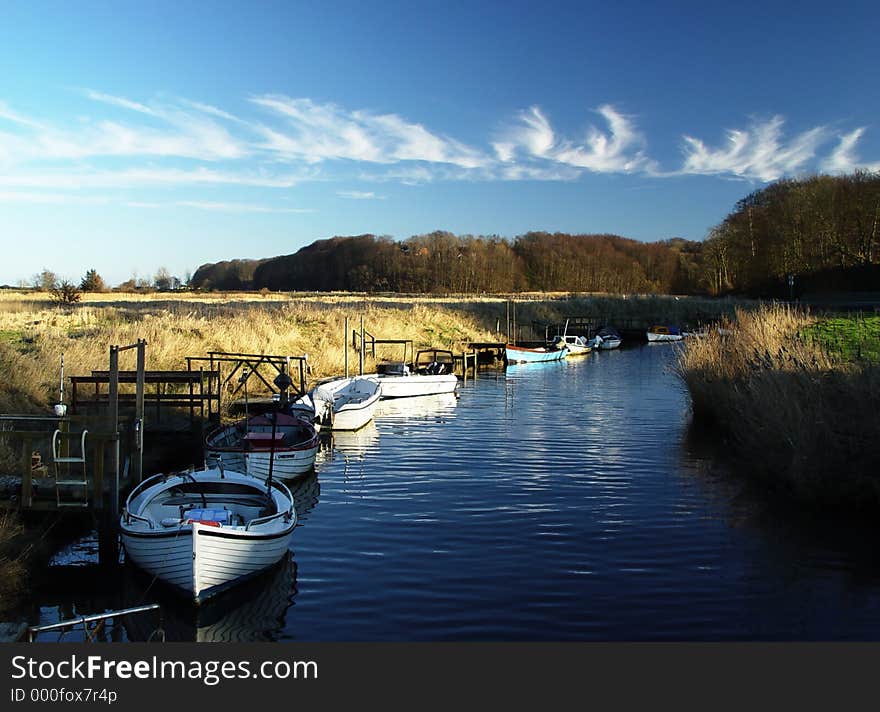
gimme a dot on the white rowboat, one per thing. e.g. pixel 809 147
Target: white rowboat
pixel 203 532
pixel 247 446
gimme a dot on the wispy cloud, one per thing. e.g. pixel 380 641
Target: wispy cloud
pixel 759 152
pixel 237 207
pixel 146 177
pixel 191 150
pixel 359 195
pixel 619 149
pixel 171 132
pixel 120 102
pixel 44 198
pixel 9 115
pixel 316 132
pixel 216 206
pixel 844 159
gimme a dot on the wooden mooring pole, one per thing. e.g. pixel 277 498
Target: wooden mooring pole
pixel 138 460
pixel 361 350
pixel 345 340
pixel 113 422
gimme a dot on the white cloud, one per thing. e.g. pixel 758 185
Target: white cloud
pixel 146 177
pixel 16 118
pixel 216 206
pixel 171 132
pixel 182 144
pixel 843 159
pixel 319 132
pixel 120 102
pixel 533 133
pixel 359 195
pixel 620 149
pixel 212 110
pixel 49 198
pixel 237 207
pixel 759 152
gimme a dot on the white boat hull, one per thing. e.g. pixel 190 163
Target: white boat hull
pixel 287 465
pixel 344 404
pixel 203 560
pixel 656 338
pixel 199 558
pixel 417 385
pixel 244 447
pixel 577 350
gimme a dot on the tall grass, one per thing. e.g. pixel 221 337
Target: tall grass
pixel 34 333
pixel 792 413
pixel 35 338
pixel 12 568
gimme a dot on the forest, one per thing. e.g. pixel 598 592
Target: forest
pixel 441 262
pixel 822 230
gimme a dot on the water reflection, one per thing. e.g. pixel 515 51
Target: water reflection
pixel 250 612
pixel 354 444
pixel 440 407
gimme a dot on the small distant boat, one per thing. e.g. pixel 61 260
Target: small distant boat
pixel 247 446
pixel 518 354
pixel 340 404
pixel 398 381
pixel 203 532
pixel 664 333
pixel 606 338
pixel 576 345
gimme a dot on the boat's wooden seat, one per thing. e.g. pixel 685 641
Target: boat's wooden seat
pixel 244 501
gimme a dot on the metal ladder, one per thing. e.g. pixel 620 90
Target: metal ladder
pixel 63 470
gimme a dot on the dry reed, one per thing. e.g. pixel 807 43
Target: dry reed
pixel 34 338
pixel 12 568
pixel 791 413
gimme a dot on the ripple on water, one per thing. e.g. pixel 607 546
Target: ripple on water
pixel 555 501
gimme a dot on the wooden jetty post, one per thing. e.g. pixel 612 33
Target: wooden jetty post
pixel 113 422
pixel 113 419
pixel 345 340
pixel 361 350
pixel 138 459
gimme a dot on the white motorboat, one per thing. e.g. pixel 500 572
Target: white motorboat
pixel 606 339
pixel 663 333
pixel 576 345
pixel 341 404
pixel 398 381
pixel 248 445
pixel 203 532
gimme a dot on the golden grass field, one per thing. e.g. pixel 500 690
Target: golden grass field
pixel 34 333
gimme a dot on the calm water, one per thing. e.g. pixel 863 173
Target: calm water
pixel 553 501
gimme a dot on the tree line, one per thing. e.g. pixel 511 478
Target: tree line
pixel 793 236
pixel 440 262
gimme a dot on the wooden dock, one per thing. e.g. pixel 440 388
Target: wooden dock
pixel 194 391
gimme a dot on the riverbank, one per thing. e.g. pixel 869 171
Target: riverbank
pixel 795 412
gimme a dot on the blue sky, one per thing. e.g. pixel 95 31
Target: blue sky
pixel 135 136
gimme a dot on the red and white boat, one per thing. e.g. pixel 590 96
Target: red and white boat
pixel 248 445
